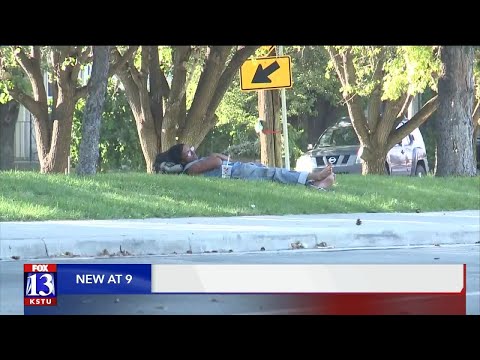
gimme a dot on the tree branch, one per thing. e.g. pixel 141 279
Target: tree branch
pixel 58 57
pixel 83 58
pixel 120 60
pixel 31 67
pixel 349 68
pixel 53 59
pixel 208 82
pixel 27 101
pixel 359 121
pixel 376 96
pixel 36 52
pixel 156 74
pixel 416 121
pixel 140 80
pixel 156 92
pixel 345 70
pixel 337 63
pixel 81 92
pixel 123 71
pixel 164 85
pixel 390 115
pixel 404 111
pixel 180 58
pixel 193 64
pixel 227 76
pixel 62 53
pixel 25 61
pixel 173 109
pixel 144 60
pixel 135 75
pixel 393 108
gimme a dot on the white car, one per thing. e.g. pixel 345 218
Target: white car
pixel 339 145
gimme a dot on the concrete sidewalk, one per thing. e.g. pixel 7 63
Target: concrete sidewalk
pixel 28 240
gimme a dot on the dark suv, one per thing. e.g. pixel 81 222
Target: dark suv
pixel 339 145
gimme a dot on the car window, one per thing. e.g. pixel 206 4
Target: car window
pixel 338 135
pixel 406 140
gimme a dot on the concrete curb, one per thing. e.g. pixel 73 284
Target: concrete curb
pixel 42 248
pixel 238 234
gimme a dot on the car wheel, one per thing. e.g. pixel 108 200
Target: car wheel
pixel 420 171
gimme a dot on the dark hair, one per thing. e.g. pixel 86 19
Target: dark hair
pixel 173 155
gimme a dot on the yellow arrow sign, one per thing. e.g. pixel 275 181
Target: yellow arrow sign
pixel 266 73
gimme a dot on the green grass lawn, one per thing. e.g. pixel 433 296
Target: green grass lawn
pixel 26 196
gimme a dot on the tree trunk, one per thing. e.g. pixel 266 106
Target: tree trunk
pixel 56 160
pixel 454 117
pixel 8 119
pixel 53 131
pixel 158 90
pixel 175 115
pixel 217 71
pixel 88 155
pixel 138 99
pixel 374 161
pixel 157 132
pixel 148 138
pixel 374 149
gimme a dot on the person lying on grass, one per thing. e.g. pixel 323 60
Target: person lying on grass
pixel 181 158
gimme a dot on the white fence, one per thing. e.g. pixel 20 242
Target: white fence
pixel 24 141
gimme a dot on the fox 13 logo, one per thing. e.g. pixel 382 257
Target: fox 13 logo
pixel 40 284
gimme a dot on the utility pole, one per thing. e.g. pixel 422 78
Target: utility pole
pixel 270 136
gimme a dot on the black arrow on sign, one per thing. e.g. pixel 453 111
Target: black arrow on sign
pixel 261 75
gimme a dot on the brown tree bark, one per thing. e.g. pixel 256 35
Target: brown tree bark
pixel 8 120
pixel 174 115
pixel 271 136
pixel 92 117
pixel 158 90
pixel 157 131
pixel 454 117
pixel 138 96
pixel 52 131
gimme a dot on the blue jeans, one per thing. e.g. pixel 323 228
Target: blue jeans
pixel 254 171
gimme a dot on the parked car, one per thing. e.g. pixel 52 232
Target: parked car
pixel 339 145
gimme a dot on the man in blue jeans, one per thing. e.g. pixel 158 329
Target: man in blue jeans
pixel 212 166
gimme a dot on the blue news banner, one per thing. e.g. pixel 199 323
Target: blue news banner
pixel 117 289
pixel 82 289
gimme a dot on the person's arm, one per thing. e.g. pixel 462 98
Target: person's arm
pixel 209 163
pixel 221 156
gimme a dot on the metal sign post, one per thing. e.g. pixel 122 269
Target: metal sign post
pixel 284 121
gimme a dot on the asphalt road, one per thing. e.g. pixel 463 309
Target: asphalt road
pixel 11 275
